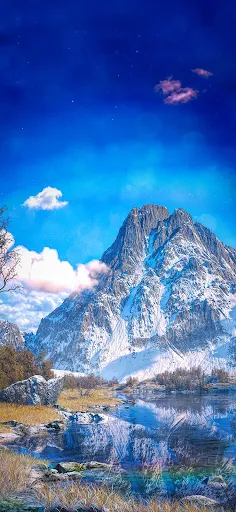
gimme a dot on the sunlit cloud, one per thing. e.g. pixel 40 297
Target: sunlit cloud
pixel 48 199
pixel 45 281
pixel 202 72
pixel 175 92
pixel 46 272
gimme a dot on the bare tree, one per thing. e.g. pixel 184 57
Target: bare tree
pixel 9 258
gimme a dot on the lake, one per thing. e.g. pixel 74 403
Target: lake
pixel 170 445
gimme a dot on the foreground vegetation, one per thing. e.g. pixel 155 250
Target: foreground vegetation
pixel 14 473
pixel 73 496
pixel 27 414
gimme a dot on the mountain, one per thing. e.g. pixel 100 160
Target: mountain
pixel 29 339
pixel 10 335
pixel 169 300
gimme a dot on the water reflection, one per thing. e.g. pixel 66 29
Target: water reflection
pixel 162 437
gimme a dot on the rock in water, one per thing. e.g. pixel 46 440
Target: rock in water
pixel 33 391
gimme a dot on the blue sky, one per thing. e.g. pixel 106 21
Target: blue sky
pixel 79 113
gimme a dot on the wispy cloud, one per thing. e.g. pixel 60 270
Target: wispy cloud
pixel 167 86
pixel 185 95
pixel 202 72
pixel 48 199
pixel 175 92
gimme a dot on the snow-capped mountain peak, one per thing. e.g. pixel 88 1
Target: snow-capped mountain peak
pixel 169 300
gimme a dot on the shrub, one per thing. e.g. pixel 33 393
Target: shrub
pixel 18 365
pixel 113 382
pixel 70 382
pixel 220 375
pixel 84 382
pixel 131 382
pixel 181 379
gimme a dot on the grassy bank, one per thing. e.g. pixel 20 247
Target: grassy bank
pixel 4 429
pixel 14 473
pixel 74 496
pixel 79 400
pixel 27 414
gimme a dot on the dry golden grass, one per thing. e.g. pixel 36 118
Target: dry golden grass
pixel 72 399
pixel 73 495
pixel 4 429
pixel 27 414
pixel 14 473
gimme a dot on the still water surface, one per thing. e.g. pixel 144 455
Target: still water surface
pixel 162 445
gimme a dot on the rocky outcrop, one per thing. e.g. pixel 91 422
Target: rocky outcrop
pixel 10 335
pixel 33 391
pixel 169 300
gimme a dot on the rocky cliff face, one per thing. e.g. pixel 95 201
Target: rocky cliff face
pixel 10 335
pixel 169 300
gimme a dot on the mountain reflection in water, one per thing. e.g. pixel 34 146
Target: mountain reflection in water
pixel 188 435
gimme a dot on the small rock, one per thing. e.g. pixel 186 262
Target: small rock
pixel 12 423
pixel 56 425
pixel 3 448
pixel 68 467
pixel 202 501
pixel 52 475
pixel 9 436
pixel 217 482
pixel 73 475
pixel 98 465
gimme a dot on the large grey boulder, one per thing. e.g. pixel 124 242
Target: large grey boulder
pixel 33 391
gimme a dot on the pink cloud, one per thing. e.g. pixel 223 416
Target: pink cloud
pixel 167 86
pixel 175 92
pixel 202 72
pixel 184 95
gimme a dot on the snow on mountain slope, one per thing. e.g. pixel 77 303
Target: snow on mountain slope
pixel 169 301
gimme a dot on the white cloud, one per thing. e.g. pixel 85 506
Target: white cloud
pixel 48 199
pixel 46 281
pixel 26 308
pixel 46 272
